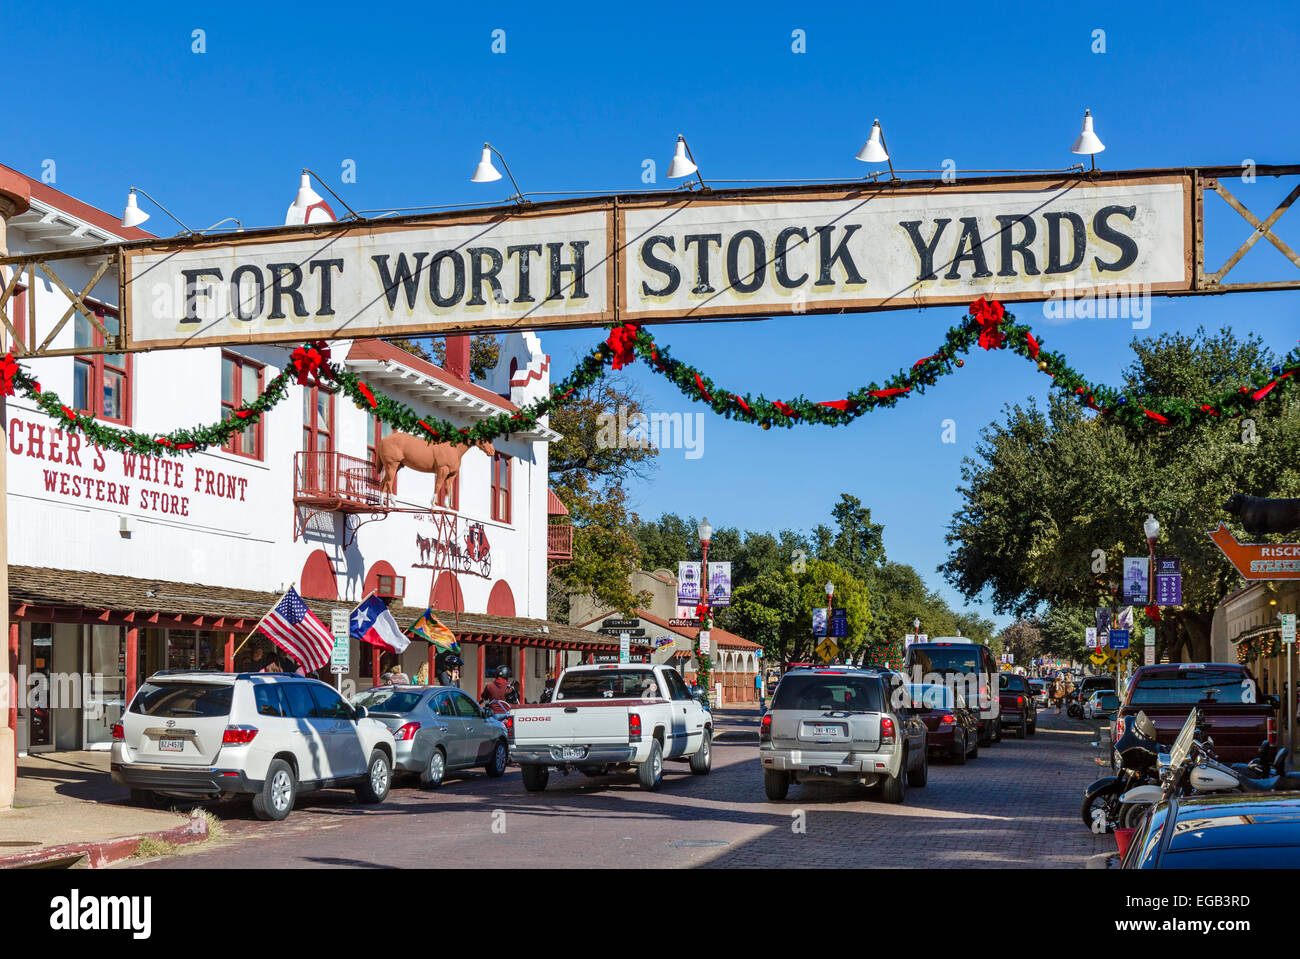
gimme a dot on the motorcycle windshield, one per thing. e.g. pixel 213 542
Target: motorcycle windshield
pixel 1182 746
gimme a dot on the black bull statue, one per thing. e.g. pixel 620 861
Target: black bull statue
pixel 1261 515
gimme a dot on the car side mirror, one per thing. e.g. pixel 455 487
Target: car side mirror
pixel 361 713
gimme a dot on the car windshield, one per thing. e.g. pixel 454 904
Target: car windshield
pixel 387 700
pixel 1193 686
pixel 945 659
pixel 608 684
pixel 855 694
pixel 182 700
pixel 930 696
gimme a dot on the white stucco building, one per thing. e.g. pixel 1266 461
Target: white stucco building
pixel 121 565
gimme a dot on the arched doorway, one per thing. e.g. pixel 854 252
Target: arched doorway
pixel 501 601
pixel 318 580
pixel 446 593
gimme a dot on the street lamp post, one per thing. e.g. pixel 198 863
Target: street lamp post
pixel 1151 527
pixel 830 593
pixel 702 670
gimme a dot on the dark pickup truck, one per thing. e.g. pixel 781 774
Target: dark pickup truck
pixel 1235 717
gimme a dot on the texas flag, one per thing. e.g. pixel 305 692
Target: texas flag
pixel 371 622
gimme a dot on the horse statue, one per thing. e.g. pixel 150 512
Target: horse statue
pixel 424 456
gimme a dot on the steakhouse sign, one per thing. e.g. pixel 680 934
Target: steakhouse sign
pixel 665 258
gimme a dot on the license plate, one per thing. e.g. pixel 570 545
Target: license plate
pixel 572 752
pixel 171 745
pixel 828 731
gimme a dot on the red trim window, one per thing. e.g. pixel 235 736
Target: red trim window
pixel 101 383
pixel 317 420
pixel 501 487
pixel 241 384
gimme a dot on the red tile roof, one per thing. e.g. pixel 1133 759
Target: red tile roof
pixel 553 505
pixel 381 350
pixel 718 636
pixel 82 211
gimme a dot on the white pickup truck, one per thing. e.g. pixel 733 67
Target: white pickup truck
pixel 610 718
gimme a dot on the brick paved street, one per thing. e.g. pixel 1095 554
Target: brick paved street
pixel 1016 805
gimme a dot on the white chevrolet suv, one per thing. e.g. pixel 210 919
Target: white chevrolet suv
pixel 207 735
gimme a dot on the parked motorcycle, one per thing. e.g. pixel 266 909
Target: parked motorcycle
pixel 1192 768
pixel 1105 802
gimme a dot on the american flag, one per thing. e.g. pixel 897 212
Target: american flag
pixel 297 630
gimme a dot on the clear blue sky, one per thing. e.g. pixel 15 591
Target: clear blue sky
pixel 585 92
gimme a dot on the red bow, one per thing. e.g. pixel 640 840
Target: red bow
pixel 365 391
pixel 8 367
pixel 622 340
pixel 988 314
pixel 1153 613
pixel 310 361
pixel 701 612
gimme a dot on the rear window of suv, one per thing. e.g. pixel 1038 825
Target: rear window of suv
pixel 945 659
pixel 1193 686
pixel 182 700
pixel 828 691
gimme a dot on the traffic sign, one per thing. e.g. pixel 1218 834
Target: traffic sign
pixel 1288 627
pixel 624 647
pixel 828 649
pixel 342 655
pixel 1098 658
pixel 1119 639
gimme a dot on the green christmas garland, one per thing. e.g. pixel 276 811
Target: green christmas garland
pixel 986 325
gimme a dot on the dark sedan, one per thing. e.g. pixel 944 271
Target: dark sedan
pixel 952 728
pixel 1016 708
pixel 1232 831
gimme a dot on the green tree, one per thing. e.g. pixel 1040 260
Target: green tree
pixel 1022 639
pixel 590 477
pixel 1048 489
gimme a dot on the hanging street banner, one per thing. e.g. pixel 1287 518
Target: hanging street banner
pixel 1258 561
pixel 1135 578
pixel 720 584
pixel 1090 637
pixel 1169 582
pixel 819 621
pixel 667 257
pixel 688 584
pixel 839 622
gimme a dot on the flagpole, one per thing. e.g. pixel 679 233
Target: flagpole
pixel 259 623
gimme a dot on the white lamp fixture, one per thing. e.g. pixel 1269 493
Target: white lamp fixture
pixel 830 589
pixel 132 215
pixel 1151 527
pixel 705 531
pixel 1088 143
pixel 309 206
pixel 485 172
pixel 683 161
pixel 873 151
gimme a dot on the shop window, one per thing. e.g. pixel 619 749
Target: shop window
pixel 241 384
pixel 501 487
pixel 101 382
pixel 376 430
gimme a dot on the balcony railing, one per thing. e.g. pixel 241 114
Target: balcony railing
pixel 559 542
pixel 336 481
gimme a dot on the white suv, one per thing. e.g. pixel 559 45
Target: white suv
pixel 206 735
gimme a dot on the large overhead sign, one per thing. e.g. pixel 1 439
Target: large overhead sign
pixel 659 257
pixel 1258 560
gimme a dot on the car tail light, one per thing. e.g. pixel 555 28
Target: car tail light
pixel 407 731
pixel 886 729
pixel 509 722
pixel 1272 731
pixel 238 735
pixel 1119 727
pixel 765 729
pixel 1020 700
pixel 948 719
pixel 634 727
pixel 119 734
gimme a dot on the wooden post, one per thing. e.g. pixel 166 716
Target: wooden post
pixel 374 665
pixel 132 660
pixel 15 198
pixel 229 653
pixel 522 674
pixel 433 661
pixel 11 657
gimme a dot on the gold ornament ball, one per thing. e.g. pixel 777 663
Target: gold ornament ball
pixel 767 426
pixel 1042 365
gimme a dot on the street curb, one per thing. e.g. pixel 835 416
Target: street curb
pixel 95 855
pixel 735 735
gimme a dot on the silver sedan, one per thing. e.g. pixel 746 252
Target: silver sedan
pixel 437 729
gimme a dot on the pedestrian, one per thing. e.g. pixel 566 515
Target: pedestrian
pixel 449 670
pixel 549 691
pixel 499 687
pixel 400 678
pixel 386 679
pixel 422 674
pixel 758 692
